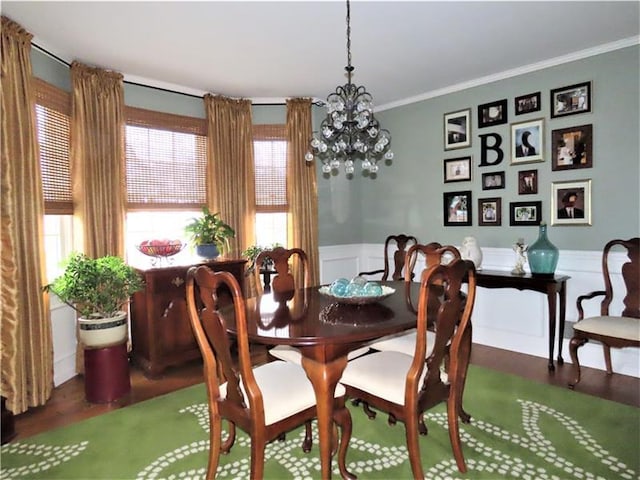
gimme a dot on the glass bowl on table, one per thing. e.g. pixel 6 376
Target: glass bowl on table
pixel 358 291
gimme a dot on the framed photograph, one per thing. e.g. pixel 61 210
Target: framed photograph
pixel 457 208
pixel 494 113
pixel 527 142
pixel 457 169
pixel 572 148
pixel 571 203
pixel 527 103
pixel 457 129
pixel 492 180
pixel 527 182
pixel 490 212
pixel 571 100
pixel 525 213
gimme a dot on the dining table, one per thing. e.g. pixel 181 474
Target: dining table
pixel 325 330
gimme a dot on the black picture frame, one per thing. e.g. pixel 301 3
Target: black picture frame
pixel 531 102
pixel 490 212
pixel 527 182
pixel 457 169
pixel 457 129
pixel 494 113
pixel 525 213
pixel 572 148
pixel 457 208
pixel 571 100
pixel 493 180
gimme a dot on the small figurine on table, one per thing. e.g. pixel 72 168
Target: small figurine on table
pixel 520 248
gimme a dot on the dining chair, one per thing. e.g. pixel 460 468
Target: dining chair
pixel 264 401
pixel 395 248
pixel 283 287
pixel 617 331
pixel 406 386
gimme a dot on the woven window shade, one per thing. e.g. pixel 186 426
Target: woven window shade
pixel 53 114
pixel 270 152
pixel 166 157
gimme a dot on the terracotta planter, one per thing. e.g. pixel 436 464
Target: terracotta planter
pixel 103 332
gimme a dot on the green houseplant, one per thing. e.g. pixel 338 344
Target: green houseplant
pixel 209 234
pixel 97 289
pixel 252 252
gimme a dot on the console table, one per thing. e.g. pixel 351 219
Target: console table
pixel 550 285
pixel 160 329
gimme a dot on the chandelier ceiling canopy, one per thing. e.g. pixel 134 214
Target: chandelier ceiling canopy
pixel 350 131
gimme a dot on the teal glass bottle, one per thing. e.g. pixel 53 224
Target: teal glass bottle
pixel 543 255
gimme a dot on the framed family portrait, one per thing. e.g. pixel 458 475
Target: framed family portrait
pixel 494 113
pixel 492 180
pixel 571 203
pixel 572 148
pixel 457 169
pixel 527 103
pixel 490 212
pixel 571 100
pixel 457 208
pixel 527 182
pixel 527 142
pixel 457 129
pixel 525 213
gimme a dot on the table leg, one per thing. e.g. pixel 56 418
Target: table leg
pixel 551 299
pixel 563 306
pixel 324 377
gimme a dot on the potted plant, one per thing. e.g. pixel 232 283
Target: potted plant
pixel 209 234
pixel 97 289
pixel 252 253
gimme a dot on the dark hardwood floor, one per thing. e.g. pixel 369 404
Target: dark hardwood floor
pixel 68 405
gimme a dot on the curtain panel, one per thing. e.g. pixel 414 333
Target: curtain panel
pixel 27 347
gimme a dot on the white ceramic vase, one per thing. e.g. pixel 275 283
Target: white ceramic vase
pixel 471 251
pixel 103 332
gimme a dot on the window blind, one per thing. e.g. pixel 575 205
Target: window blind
pixel 270 152
pixel 53 117
pixel 166 158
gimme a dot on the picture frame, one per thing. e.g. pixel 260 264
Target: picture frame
pixel 575 195
pixel 494 113
pixel 531 102
pixel 492 180
pixel 527 182
pixel 490 212
pixel 572 148
pixel 457 208
pixel 527 142
pixel 457 129
pixel 571 100
pixel 457 169
pixel 525 213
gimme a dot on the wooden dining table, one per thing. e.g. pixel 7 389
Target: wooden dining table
pixel 325 331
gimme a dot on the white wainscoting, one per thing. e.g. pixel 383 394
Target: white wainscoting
pixel 63 326
pixel 508 318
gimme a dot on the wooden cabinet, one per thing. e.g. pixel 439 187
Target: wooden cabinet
pixel 160 329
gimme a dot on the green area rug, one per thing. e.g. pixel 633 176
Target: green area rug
pixel 519 430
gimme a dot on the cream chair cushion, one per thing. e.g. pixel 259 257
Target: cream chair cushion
pixel 293 355
pixel 404 342
pixel 285 389
pixel 620 327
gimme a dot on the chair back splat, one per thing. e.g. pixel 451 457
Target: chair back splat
pixel 265 401
pixel 395 250
pixel 406 386
pixel 612 330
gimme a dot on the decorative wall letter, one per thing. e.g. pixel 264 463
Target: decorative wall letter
pixel 484 147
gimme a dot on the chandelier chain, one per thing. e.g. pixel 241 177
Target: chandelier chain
pixel 349 67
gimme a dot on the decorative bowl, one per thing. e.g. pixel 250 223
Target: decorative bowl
pixel 160 248
pixel 357 300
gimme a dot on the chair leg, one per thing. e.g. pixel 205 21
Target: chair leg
pixel 342 417
pixel 226 446
pixel 454 432
pixel 257 455
pixel 607 358
pixel 215 436
pixel 367 409
pixel 308 438
pixel 574 344
pixel 413 445
pixel 422 427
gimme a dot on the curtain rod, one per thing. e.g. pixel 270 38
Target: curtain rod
pixel 64 62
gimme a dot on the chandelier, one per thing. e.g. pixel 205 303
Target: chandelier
pixel 350 130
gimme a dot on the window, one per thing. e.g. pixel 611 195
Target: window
pixel 53 112
pixel 270 156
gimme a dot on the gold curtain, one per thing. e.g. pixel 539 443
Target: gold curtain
pixel 97 160
pixel 230 170
pixel 301 186
pixel 27 345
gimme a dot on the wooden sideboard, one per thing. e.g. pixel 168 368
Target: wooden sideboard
pixel 160 329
